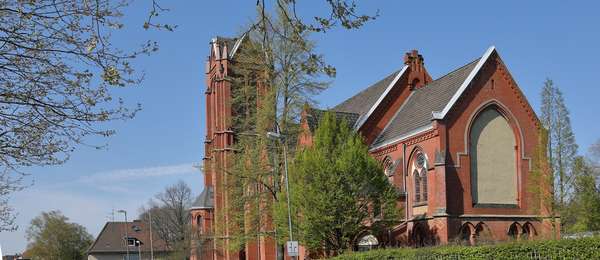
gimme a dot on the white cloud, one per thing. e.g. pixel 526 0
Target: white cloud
pixel 137 173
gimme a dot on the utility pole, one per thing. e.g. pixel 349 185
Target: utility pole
pixel 139 246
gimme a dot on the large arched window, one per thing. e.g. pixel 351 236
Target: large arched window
pixel 493 159
pixel 420 178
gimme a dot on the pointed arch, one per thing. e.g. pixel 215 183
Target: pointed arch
pixel 514 231
pixel 493 145
pixel 420 234
pixel 418 167
pixel 528 231
pixel 483 233
pixel 467 233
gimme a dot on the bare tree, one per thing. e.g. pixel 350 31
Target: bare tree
pixel 58 69
pixel 170 216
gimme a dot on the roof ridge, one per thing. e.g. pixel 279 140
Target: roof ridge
pixel 449 73
pixel 372 85
pixel 445 84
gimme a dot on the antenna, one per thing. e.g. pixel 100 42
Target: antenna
pixel 111 215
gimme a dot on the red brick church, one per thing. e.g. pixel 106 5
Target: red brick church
pixel 459 149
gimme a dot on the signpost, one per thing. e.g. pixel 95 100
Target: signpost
pixel 292 248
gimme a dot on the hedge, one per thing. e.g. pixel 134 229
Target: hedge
pixel 582 248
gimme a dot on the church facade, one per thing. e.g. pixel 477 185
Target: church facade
pixel 458 148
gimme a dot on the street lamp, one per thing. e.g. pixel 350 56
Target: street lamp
pixel 139 246
pixel 278 136
pixel 126 235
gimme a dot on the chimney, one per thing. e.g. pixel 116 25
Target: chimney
pixel 418 76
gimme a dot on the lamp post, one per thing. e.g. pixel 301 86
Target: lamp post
pixel 126 235
pixel 278 136
pixel 139 246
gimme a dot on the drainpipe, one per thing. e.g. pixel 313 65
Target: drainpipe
pixel 404 183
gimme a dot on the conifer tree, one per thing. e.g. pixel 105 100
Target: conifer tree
pixel 562 147
pixel 338 191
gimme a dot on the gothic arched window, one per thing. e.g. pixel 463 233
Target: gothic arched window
pixel 199 224
pixel 493 159
pixel 420 178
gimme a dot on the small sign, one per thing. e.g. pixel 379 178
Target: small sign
pixel 292 248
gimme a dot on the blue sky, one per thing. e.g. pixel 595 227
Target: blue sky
pixel 536 39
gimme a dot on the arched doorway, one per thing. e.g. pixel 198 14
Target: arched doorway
pixel 420 236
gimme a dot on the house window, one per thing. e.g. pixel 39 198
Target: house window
pixel 420 178
pixel 493 159
pixel 132 241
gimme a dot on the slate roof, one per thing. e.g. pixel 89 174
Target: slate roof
pixel 416 112
pixel 205 200
pixel 314 116
pixel 362 102
pixel 111 238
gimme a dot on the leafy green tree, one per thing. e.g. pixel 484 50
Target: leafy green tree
pixel 541 180
pixel 275 72
pixel 562 147
pixel 51 236
pixel 338 191
pixel 583 212
pixel 595 154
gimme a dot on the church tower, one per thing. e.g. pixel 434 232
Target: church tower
pixel 209 207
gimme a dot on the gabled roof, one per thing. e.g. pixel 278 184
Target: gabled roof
pixel 205 200
pixel 313 116
pixel 442 113
pixel 365 101
pixel 416 112
pixel 111 238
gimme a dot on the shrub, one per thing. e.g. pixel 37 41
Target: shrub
pixel 582 248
